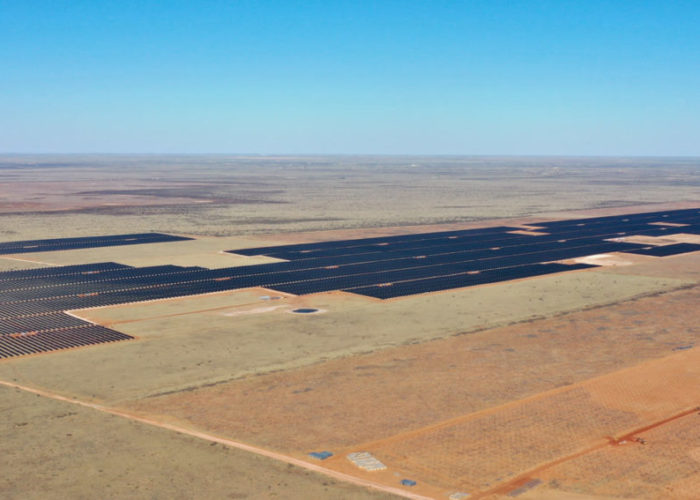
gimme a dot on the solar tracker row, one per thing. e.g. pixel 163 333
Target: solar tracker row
pixel 46 322
pixel 338 264
pixel 503 240
pixel 24 309
pixel 303 247
pixel 79 284
pixel 667 250
pixel 60 271
pixel 344 282
pixel 662 216
pixel 604 227
pixel 19 345
pixel 426 285
pixel 30 246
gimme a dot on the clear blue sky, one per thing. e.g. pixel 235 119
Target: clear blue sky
pixel 585 77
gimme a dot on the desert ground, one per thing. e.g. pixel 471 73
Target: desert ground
pixel 581 385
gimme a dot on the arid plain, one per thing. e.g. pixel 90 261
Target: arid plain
pixel 576 385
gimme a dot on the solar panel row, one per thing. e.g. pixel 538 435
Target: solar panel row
pixel 664 251
pixel 602 227
pixel 365 241
pixel 613 222
pixel 19 345
pixel 426 285
pixel 375 261
pixel 59 271
pixel 54 321
pixel 30 246
pixel 71 285
pixel 437 246
pixel 660 216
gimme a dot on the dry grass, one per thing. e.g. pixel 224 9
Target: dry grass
pixel 206 252
pixel 364 398
pixel 520 388
pixel 55 450
pixel 178 352
pixel 482 450
pixel 223 196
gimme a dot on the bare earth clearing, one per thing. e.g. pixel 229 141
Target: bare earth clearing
pixel 576 385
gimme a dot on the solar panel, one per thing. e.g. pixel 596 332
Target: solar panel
pixel 33 343
pixel 412 287
pixel 31 246
pixel 667 250
pixel 32 301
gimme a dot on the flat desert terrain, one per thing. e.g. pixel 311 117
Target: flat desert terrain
pixel 581 385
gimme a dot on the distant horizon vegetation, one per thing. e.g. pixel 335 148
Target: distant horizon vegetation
pixel 348 155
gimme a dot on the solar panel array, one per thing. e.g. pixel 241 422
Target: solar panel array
pixel 30 246
pixel 666 250
pixel 387 267
pixel 32 302
pixel 28 328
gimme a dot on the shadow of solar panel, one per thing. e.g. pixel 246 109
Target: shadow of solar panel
pixel 413 287
pixel 667 250
pixel 24 344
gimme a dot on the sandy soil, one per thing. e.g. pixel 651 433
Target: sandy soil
pixel 58 450
pixel 522 389
pixel 11 264
pixel 666 466
pixel 363 398
pixel 686 266
pixel 479 451
pixel 204 252
pixel 224 196
pixel 179 352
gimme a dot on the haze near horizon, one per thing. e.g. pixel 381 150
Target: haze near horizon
pixel 475 78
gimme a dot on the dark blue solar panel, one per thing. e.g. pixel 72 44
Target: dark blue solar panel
pixel 384 266
pixel 30 246
pixel 328 245
pixel 667 250
pixel 464 280
pixel 60 271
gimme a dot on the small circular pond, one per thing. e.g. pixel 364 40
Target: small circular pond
pixel 305 310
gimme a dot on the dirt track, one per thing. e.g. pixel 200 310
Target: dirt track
pixel 487 411
pixel 337 403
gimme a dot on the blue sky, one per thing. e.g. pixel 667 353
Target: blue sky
pixel 568 77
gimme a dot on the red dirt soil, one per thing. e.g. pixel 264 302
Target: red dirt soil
pixel 404 391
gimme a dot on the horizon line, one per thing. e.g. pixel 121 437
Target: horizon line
pixel 273 155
